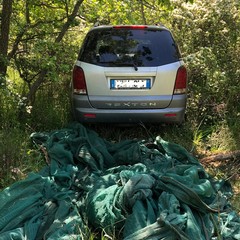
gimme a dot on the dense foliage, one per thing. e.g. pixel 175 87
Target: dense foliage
pixel 43 42
pixel 210 40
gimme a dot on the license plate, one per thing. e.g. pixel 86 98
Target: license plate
pixel 130 83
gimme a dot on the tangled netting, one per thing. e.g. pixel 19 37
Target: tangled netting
pixel 131 190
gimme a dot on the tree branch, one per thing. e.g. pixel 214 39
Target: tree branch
pixel 59 38
pixel 222 157
pixel 25 28
pixel 69 21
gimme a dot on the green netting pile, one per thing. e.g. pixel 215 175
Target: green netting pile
pixel 131 190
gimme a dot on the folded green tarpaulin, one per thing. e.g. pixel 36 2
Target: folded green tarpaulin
pixel 131 190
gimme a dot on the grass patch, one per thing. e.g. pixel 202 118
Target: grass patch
pixel 18 156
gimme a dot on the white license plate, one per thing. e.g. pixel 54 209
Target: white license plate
pixel 130 83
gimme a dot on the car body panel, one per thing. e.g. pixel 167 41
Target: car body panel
pixel 161 90
pixel 174 113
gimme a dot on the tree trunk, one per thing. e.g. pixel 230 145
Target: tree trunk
pixel 4 35
pixel 143 13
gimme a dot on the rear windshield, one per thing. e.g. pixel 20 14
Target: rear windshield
pixel 127 47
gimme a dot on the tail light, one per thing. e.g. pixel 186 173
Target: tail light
pixel 181 81
pixel 78 80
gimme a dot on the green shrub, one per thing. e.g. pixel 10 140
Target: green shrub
pixel 210 42
pixel 51 108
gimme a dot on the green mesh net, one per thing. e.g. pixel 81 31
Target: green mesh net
pixel 131 190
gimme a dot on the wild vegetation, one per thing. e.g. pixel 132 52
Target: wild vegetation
pixel 39 43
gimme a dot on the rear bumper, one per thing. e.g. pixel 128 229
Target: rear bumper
pixel 85 113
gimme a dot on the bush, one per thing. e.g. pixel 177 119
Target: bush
pixel 210 43
pixel 51 108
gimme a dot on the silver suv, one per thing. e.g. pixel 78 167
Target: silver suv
pixel 127 74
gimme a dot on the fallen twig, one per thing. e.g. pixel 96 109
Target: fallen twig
pixel 222 156
pixel 45 154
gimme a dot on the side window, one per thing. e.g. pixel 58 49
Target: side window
pixel 88 50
